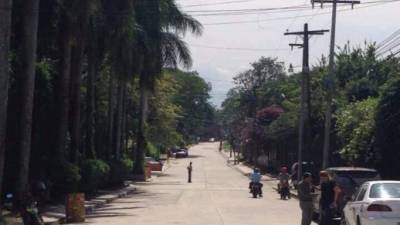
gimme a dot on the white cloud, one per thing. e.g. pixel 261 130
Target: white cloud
pixel 369 22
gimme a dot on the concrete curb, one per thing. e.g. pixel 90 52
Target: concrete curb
pixel 92 204
pixel 233 166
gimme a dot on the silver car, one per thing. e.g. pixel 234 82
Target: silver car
pixel 375 203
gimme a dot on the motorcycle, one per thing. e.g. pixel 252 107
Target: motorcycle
pixel 256 190
pixel 28 210
pixel 284 190
pixel 30 214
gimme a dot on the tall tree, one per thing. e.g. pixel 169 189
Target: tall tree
pixel 28 59
pixel 124 62
pixel 80 26
pixel 5 30
pixel 93 68
pixel 63 80
pixel 110 115
pixel 163 47
pixel 119 118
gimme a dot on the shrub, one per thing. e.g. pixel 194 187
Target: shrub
pixel 65 177
pixel 94 174
pixel 152 151
pixel 120 169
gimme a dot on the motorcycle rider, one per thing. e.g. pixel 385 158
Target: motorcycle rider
pixel 255 178
pixel 283 179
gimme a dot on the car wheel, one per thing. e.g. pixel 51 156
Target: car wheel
pixel 343 221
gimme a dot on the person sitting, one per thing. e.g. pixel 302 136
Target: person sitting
pixel 255 178
pixel 283 176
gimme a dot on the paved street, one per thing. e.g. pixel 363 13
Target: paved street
pixel 217 196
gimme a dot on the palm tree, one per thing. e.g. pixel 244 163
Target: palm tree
pixel 63 80
pixel 80 13
pixel 163 48
pixel 124 60
pixel 5 30
pixel 28 59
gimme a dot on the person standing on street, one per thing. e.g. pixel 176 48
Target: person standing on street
pixel 190 169
pixel 306 205
pixel 329 198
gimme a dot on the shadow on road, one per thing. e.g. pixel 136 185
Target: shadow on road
pixel 194 156
pixel 105 215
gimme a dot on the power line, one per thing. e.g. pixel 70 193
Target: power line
pixel 382 43
pixel 247 10
pixel 373 3
pixel 217 3
pixel 237 49
pixel 389 44
pixel 244 13
pixel 392 45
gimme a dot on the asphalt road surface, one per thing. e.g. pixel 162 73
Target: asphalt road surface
pixel 218 196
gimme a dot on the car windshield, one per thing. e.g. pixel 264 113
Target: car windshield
pixel 385 190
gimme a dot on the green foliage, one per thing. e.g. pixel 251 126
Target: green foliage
pixel 164 114
pixel 65 177
pixel 196 115
pixel 388 130
pixel 119 170
pixel 152 151
pixel 94 174
pixel 356 126
pixel 361 79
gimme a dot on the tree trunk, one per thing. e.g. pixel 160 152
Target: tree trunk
pixel 124 121
pixel 76 71
pixel 5 30
pixel 90 96
pixel 118 135
pixel 28 59
pixel 76 75
pixel 110 117
pixel 141 139
pixel 62 102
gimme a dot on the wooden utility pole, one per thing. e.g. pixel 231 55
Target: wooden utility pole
pixel 305 90
pixel 330 77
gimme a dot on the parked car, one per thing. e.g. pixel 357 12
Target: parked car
pixel 375 203
pixel 154 164
pixel 349 179
pixel 173 150
pixel 182 153
pixel 178 152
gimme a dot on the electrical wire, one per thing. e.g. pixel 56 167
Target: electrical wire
pixel 370 4
pixel 217 3
pixel 238 49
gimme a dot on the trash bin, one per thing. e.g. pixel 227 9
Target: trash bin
pixel 147 171
pixel 75 208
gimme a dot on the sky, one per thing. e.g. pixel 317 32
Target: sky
pixel 231 42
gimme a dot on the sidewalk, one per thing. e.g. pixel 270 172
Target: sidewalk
pixel 55 214
pixel 247 170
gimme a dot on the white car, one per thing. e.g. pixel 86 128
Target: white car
pixel 375 203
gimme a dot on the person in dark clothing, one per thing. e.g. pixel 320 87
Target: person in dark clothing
pixel 190 169
pixel 304 194
pixel 329 198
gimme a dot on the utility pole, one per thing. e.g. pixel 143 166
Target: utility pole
pixel 330 77
pixel 305 90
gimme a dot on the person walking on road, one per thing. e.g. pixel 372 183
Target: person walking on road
pixel 329 198
pixel 306 205
pixel 190 169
